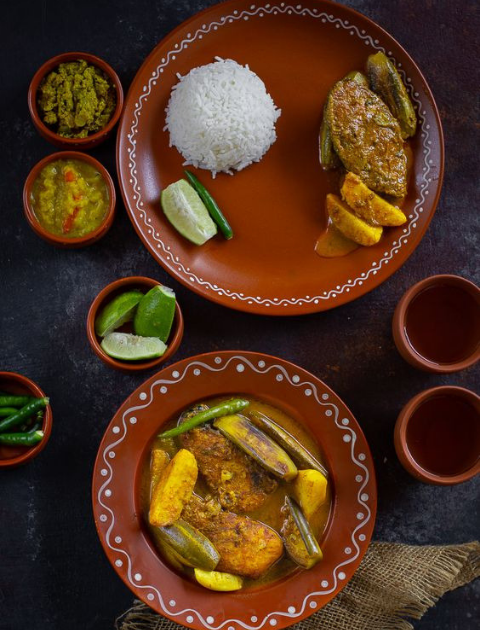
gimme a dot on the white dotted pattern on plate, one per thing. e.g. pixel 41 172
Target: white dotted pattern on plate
pixel 143 220
pixel 108 517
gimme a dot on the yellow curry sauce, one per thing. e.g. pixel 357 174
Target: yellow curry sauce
pixel 270 512
pixel 70 198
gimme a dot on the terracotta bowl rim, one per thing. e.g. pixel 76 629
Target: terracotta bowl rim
pixel 398 324
pixel 176 333
pixel 115 487
pixel 46 132
pixel 33 451
pixel 62 241
pixel 401 443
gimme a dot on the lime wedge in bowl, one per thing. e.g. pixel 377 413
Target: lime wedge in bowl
pixel 127 347
pixel 155 313
pixel 117 312
pixel 187 213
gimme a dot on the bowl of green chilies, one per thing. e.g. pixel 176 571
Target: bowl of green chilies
pixel 25 419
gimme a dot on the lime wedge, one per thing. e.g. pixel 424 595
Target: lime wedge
pixel 129 347
pixel 155 313
pixel 186 212
pixel 120 310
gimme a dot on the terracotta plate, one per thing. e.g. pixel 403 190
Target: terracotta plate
pixel 117 509
pixel 276 207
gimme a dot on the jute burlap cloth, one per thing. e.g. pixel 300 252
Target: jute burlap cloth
pixel 394 582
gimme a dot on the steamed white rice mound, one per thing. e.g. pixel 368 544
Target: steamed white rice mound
pixel 221 117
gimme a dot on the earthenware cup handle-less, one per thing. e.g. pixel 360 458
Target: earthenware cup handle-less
pixel 460 322
pixel 437 435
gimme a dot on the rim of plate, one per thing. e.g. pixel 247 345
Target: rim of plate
pixel 280 370
pixel 365 281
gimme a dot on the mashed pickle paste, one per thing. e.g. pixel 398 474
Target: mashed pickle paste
pixel 76 99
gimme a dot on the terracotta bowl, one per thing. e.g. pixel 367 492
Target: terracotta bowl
pixel 463 320
pixel 437 435
pixel 104 297
pixel 62 241
pixel 118 509
pixel 73 143
pixel 13 383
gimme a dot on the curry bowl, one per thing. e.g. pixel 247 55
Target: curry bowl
pixel 48 133
pixel 61 239
pixel 107 294
pixel 17 384
pixel 118 493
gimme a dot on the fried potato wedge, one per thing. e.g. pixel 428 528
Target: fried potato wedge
pixel 369 206
pixel 350 225
pixel 218 581
pixel 173 489
pixel 310 491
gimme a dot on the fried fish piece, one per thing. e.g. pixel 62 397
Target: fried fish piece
pixel 235 478
pixel 246 547
pixel 366 137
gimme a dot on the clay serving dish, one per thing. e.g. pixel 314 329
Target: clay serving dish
pixel 125 448
pixel 62 241
pixel 436 324
pixel 74 143
pixel 104 297
pixel 13 383
pixel 437 435
pixel 276 207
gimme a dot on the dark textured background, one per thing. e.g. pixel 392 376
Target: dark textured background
pixel 53 573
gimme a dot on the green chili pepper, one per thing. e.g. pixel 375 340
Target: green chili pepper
pixel 211 206
pixel 21 439
pixel 7 411
pixel 226 408
pixel 22 414
pixel 30 422
pixel 9 400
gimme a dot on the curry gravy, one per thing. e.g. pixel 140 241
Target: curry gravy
pixel 270 512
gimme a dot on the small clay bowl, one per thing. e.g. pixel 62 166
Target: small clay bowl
pixel 63 241
pixel 13 383
pixel 73 143
pixel 437 435
pixel 436 324
pixel 104 297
